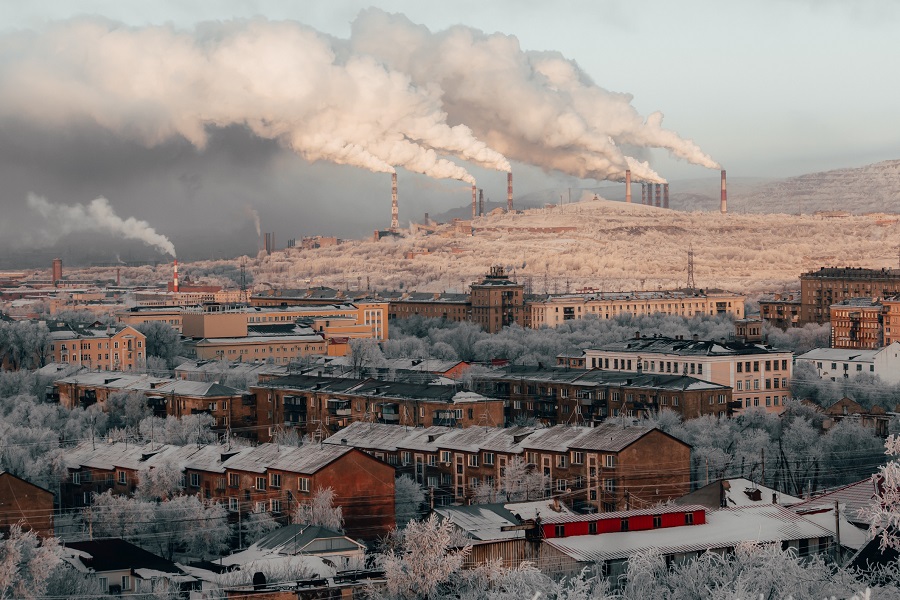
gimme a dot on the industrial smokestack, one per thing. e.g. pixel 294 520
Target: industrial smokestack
pixel 665 195
pixel 56 276
pixel 509 206
pixel 118 277
pixel 175 277
pixel 658 195
pixel 395 213
pixel 643 193
pixel 724 205
pixel 474 206
pixel 628 186
pixel 481 201
pixel 267 244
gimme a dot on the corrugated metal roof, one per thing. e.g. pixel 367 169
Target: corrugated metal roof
pixel 854 497
pixel 723 529
pixel 556 518
pixel 306 459
pixel 482 522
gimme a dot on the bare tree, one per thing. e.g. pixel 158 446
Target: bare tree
pixel 320 510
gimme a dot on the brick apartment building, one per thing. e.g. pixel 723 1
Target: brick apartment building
pixel 830 285
pixel 497 301
pixel 321 406
pixel 610 467
pixel 857 323
pixel 25 504
pixel 121 348
pixel 563 395
pixel 781 310
pixel 265 478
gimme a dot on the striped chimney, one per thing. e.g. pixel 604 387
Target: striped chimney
pixel 724 205
pixel 658 191
pixel 175 277
pixel 395 212
pixel 509 206
pixel 474 205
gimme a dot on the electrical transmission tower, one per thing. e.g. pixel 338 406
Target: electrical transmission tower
pixel 690 281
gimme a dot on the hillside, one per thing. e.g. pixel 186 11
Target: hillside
pixel 603 244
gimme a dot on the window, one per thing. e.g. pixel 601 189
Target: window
pixel 688 518
pixel 578 458
pixel 126 582
pixel 489 458
pixel 260 507
pixel 561 485
pixel 303 484
pixel 624 525
pixel 445 456
pixel 123 477
pixel 473 460
pixel 674 400
pixel 76 477
pixel 740 367
pixel 233 504
pixel 260 483
pixel 609 485
pixel 610 460
pixel 275 480
pixel 234 480
pixel 560 531
pixel 592 526
pixel 275 505
pixel 562 461
pixel 195 479
pixel 657 521
pixel 406 457
pixel 104 584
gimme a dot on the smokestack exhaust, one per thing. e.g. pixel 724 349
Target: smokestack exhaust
pixel 509 205
pixel 628 186
pixel 474 207
pixel 665 195
pixel 724 205
pixel 395 213
pixel 658 191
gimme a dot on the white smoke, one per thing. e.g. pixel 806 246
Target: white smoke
pixel 282 80
pixel 251 212
pixel 63 219
pixel 535 107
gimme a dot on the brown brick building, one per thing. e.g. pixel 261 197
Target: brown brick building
pixel 857 323
pixel 25 504
pixel 577 396
pixel 611 466
pixel 781 310
pixel 497 301
pixel 321 406
pixel 829 285
pixel 267 477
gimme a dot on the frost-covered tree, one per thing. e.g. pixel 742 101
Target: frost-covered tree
pixel 179 431
pixel 162 340
pixel 420 561
pixel 26 563
pixel 257 525
pixel 521 482
pixel 884 511
pixel 364 356
pixel 126 409
pixel 159 482
pixel 408 499
pixel 320 510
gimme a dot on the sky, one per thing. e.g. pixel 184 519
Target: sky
pixel 766 89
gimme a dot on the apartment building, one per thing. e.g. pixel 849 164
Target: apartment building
pixel 857 323
pixel 321 406
pixel 842 363
pixel 563 395
pixel 758 374
pixel 819 290
pixel 610 467
pixel 264 478
pixel 555 310
pixel 781 310
pixel 119 348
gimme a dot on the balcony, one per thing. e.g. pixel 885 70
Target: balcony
pixel 248 400
pixel 389 413
pixel 339 408
pixel 87 398
pixel 51 394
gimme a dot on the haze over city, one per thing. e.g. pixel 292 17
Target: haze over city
pixel 768 90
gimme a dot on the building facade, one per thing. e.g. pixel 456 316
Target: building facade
pixel 830 285
pixel 781 310
pixel 121 348
pixel 497 301
pixel 857 323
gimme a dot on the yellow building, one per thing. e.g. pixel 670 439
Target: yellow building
pixel 556 310
pixel 278 349
pixel 121 348
pixel 170 315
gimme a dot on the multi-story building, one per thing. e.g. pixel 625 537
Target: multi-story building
pixel 25 504
pixel 320 406
pixel 497 301
pixel 275 348
pixel 829 285
pixel 449 306
pixel 857 323
pixel 891 315
pixel 575 396
pixel 555 310
pixel 170 315
pixel 610 467
pixel 119 348
pixel 759 374
pixel 781 310
pixel 264 478
pixel 842 363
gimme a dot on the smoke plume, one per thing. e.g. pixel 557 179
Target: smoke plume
pixel 393 95
pixel 97 216
pixel 251 212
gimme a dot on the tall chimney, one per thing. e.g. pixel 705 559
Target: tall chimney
pixel 118 277
pixel 175 277
pixel 481 203
pixel 474 206
pixel 657 195
pixel 509 192
pixel 628 186
pixel 395 213
pixel 665 195
pixel 56 275
pixel 724 205
pixel 267 244
pixel 643 193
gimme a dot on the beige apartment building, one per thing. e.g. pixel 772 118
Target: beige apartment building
pixel 121 348
pixel 556 310
pixel 759 375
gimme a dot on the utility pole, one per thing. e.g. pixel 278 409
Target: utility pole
pixel 837 533
pixel 763 450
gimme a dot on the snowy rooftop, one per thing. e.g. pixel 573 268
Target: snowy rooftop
pixel 306 459
pixel 840 354
pixel 482 522
pixel 553 518
pixel 853 498
pixel 723 529
pixel 389 438
pixel 531 510
pixel 662 345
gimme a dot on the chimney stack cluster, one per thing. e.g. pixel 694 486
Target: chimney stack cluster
pixel 628 186
pixel 658 193
pixel 665 195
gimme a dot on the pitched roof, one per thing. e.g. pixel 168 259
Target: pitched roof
pixel 116 555
pixel 854 497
